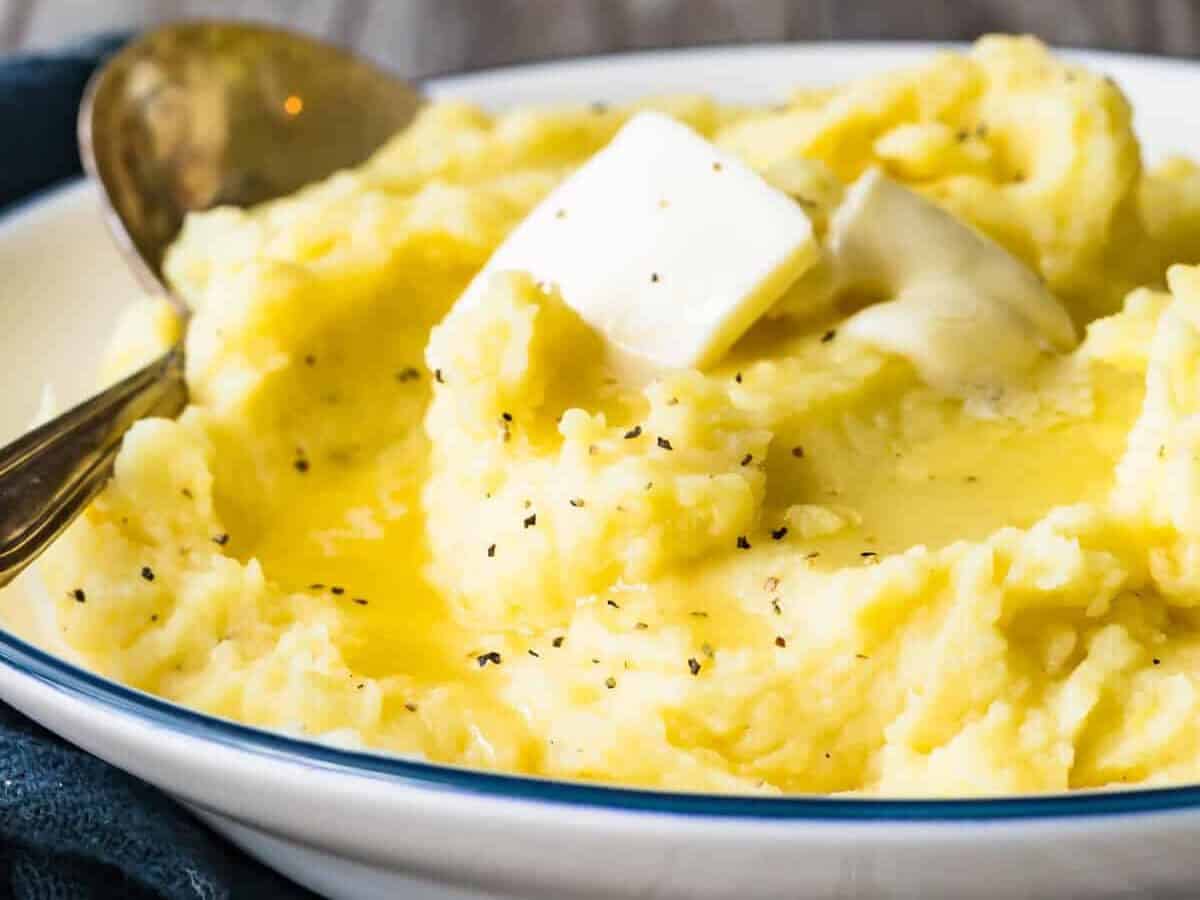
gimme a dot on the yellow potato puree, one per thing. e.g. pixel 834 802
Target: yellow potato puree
pixel 803 570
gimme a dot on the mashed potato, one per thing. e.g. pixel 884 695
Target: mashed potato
pixel 805 570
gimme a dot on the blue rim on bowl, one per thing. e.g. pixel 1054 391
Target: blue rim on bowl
pixel 67 677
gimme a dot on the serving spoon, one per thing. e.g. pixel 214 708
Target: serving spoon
pixel 187 117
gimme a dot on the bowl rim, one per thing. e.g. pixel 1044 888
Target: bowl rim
pixel 68 677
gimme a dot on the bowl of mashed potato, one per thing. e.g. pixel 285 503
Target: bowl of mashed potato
pixel 708 450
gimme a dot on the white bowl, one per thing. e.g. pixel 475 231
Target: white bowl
pixel 359 825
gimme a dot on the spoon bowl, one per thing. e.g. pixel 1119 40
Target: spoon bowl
pixel 201 114
pixel 187 117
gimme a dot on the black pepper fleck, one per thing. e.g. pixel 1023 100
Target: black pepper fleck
pixel 1156 661
pixel 558 641
pixel 665 444
pixel 301 465
pixel 654 277
pixel 491 551
pixel 738 377
pixel 79 595
pixel 221 539
pixel 411 707
pixel 506 416
pixel 694 665
pixel 338 590
pixel 310 360
pixel 742 543
pixel 747 459
pixel 798 452
pixel 576 502
pixel 613 604
pixel 316 586
pixel 779 534
pixel 635 431
pixel 530 520
pixel 361 601
pixel 534 653
pixel 490 657
pixel 780 641
pixel 437 376
pixel 828 336
pixel 147 573
pixel 408 373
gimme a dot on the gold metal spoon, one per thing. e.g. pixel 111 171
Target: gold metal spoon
pixel 187 117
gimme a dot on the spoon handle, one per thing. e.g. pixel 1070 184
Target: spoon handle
pixel 50 474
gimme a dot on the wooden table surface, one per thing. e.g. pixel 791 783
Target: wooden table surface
pixel 422 37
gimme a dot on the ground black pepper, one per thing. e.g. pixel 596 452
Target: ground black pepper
pixel 530 520
pixel 633 432
pixel 79 595
pixel 490 657
pixel 779 533
pixel 221 539
pixel 147 573
pixel 665 444
pixel 828 336
pixel 694 665
pixel 491 551
pixel 742 542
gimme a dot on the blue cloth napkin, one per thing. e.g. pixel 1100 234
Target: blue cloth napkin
pixel 72 826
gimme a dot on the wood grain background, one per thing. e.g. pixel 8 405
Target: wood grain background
pixel 423 37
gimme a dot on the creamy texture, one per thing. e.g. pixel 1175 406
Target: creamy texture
pixel 811 567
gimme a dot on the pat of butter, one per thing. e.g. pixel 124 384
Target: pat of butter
pixel 960 307
pixel 664 244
